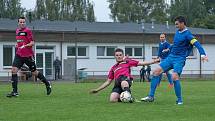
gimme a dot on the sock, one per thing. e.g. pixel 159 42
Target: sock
pixel 43 79
pixel 127 89
pixel 169 77
pixel 154 83
pixel 177 87
pixel 14 82
pixel 160 78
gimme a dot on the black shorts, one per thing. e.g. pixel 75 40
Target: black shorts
pixel 29 61
pixel 117 86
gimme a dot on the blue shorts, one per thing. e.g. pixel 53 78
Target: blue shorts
pixel 173 62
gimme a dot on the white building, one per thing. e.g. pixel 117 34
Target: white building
pixel 95 44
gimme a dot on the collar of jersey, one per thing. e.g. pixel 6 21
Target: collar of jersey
pixel 163 42
pixel 185 29
pixel 121 62
pixel 20 29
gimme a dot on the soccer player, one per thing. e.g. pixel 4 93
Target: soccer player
pixel 25 55
pixel 120 72
pixel 163 52
pixel 182 43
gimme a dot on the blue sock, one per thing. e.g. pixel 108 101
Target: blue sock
pixel 169 77
pixel 177 87
pixel 160 78
pixel 154 82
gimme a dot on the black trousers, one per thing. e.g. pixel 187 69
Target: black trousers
pixel 57 74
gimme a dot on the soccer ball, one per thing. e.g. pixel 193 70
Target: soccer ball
pixel 125 97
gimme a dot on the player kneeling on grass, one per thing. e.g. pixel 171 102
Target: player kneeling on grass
pixel 120 72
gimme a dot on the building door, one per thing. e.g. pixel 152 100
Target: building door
pixel 44 62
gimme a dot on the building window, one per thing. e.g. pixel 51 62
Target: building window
pixel 101 51
pixel 129 51
pixel 138 52
pixel 82 51
pixel 135 52
pixel 155 51
pixel 107 51
pixel 8 54
pixel 110 51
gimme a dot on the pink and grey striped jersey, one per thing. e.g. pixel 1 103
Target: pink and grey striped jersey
pixel 122 68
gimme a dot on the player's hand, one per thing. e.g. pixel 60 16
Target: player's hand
pixel 204 58
pixel 156 60
pixel 165 50
pixel 93 91
pixel 23 46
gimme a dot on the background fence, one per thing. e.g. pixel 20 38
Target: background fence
pixel 100 75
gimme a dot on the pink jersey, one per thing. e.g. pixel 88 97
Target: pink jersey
pixel 122 68
pixel 23 37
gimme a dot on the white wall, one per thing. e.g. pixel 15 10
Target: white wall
pixel 93 63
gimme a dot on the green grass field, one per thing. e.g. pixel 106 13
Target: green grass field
pixel 72 102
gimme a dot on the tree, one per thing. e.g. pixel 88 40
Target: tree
pixel 90 12
pixel 11 9
pixel 73 10
pixel 158 11
pixel 193 10
pixel 137 10
pixel 40 9
pixel 210 6
pixel 2 8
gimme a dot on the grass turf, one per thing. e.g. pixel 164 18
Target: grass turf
pixel 72 102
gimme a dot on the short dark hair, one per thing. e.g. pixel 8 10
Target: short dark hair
pixel 119 50
pixel 22 17
pixel 163 34
pixel 181 19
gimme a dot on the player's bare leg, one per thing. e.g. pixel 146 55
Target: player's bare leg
pixel 114 97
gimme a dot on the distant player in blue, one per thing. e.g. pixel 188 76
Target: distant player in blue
pixel 163 52
pixel 182 44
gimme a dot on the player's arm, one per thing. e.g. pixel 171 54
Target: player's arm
pixel 30 44
pixel 148 63
pixel 200 49
pixel 30 38
pixel 103 86
pixel 27 45
pixel 168 48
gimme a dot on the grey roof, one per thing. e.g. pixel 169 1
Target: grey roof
pixel 100 27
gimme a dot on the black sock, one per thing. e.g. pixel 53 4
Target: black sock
pixel 127 89
pixel 43 79
pixel 14 82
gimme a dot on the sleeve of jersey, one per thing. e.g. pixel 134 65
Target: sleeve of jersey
pixel 199 47
pixel 111 74
pixel 194 41
pixel 168 45
pixel 30 35
pixel 133 62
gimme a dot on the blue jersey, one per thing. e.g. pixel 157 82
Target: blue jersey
pixel 182 43
pixel 163 46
